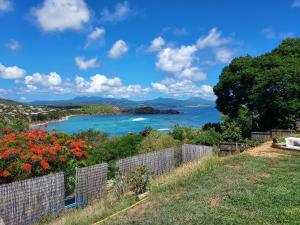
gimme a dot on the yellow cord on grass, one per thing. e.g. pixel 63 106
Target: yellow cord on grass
pixel 117 213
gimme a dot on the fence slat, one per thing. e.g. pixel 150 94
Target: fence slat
pixel 193 152
pixel 157 162
pixel 25 202
pixel 90 183
pixel 261 135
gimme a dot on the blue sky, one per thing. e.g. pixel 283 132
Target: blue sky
pixel 58 49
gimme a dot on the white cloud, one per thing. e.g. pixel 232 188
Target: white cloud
pixel 46 80
pixel 296 3
pixel 96 35
pixel 224 55
pixel 183 88
pixel 269 33
pixel 12 72
pixel 178 61
pixel 58 15
pixel 83 64
pixel 108 86
pixel 5 5
pixel 13 45
pixel 118 49
pixel 156 44
pixel 121 12
pixel 213 39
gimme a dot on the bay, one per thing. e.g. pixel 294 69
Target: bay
pixel 122 124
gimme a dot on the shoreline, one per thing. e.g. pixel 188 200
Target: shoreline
pixel 34 125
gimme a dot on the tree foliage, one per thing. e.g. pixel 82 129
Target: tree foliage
pixel 268 85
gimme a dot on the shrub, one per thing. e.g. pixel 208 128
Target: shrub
pixel 92 137
pixel 231 130
pixel 37 152
pixel 138 180
pixel 216 126
pixel 120 185
pixel 183 133
pixel 156 141
pixel 207 137
pixel 115 148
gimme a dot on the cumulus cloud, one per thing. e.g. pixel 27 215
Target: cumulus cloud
pixel 179 61
pixel 183 88
pixel 182 62
pixel 83 64
pixel 156 44
pixel 96 34
pixel 46 80
pixel 112 87
pixel 13 45
pixel 224 55
pixel 11 72
pixel 118 49
pixel 296 3
pixel 213 39
pixel 5 5
pixel 58 15
pixel 120 13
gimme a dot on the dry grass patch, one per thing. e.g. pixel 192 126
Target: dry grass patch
pixel 266 150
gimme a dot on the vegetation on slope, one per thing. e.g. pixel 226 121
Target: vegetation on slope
pixel 261 186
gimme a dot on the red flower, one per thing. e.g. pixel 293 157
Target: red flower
pixel 45 165
pixel 5 130
pixel 27 166
pixel 5 173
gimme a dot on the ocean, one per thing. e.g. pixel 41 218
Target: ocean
pixel 122 124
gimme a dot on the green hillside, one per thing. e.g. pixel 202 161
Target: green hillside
pixel 259 187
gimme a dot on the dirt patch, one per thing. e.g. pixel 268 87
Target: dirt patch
pixel 234 166
pixel 266 150
pixel 213 202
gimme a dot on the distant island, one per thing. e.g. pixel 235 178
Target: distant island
pixel 150 110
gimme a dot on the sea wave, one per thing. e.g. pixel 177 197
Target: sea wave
pixel 163 129
pixel 138 119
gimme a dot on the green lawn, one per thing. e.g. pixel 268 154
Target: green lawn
pixel 242 189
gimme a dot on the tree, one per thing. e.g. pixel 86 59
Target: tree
pixel 268 85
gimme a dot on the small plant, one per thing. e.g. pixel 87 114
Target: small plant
pixel 120 185
pixel 139 179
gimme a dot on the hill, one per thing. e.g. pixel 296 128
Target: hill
pixel 261 186
pixel 9 102
pixel 126 103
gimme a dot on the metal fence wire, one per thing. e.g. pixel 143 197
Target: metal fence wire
pixel 193 152
pixel 90 183
pixel 26 202
pixel 158 162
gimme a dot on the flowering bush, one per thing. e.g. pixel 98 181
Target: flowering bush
pixel 138 180
pixel 37 152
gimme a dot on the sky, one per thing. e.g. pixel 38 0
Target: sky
pixel 59 49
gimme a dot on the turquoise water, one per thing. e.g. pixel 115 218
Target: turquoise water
pixel 122 124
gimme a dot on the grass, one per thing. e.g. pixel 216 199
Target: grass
pixel 241 189
pixel 256 188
